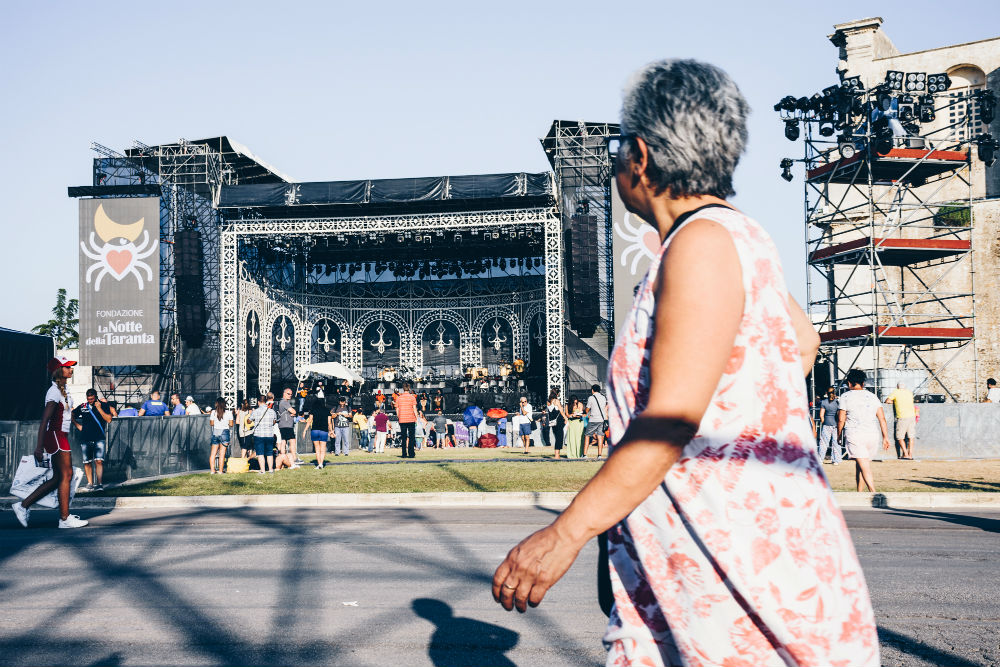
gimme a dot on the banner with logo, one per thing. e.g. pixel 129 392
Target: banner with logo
pixel 120 281
pixel 636 243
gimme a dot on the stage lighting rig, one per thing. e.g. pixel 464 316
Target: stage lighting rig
pixel 988 147
pixel 884 99
pixel 826 128
pixel 987 101
pixel 938 83
pixel 894 80
pixel 787 103
pixel 846 146
pixel 916 82
pixel 791 129
pixel 786 169
pixel 852 84
pixel 882 136
pixel 927 114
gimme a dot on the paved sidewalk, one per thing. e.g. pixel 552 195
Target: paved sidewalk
pixel 549 500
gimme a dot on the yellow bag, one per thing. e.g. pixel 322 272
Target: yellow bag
pixel 237 464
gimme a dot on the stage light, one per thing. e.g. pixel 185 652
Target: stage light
pixel 905 114
pixel 882 136
pixel 884 100
pixel 987 105
pixel 786 169
pixel 826 128
pixel 988 147
pixel 916 82
pixel 845 144
pixel 502 264
pixel 399 238
pixel 894 80
pixel 927 110
pixel 852 83
pixel 458 238
pixel 787 103
pixel 938 83
pixel 791 129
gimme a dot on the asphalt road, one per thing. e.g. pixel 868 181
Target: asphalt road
pixel 408 588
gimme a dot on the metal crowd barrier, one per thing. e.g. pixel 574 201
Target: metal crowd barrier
pixel 137 447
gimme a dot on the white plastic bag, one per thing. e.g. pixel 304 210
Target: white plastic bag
pixel 29 476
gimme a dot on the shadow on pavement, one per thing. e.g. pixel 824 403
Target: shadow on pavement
pixel 459 641
pixel 957 484
pixel 152 585
pixel 981 522
pixel 917 648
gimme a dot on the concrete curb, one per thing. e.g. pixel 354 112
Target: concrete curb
pixel 550 500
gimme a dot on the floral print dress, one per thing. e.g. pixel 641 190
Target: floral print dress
pixel 741 556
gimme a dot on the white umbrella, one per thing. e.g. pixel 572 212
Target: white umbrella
pixel 333 369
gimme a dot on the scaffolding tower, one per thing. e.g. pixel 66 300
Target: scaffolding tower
pixel 578 153
pixel 889 223
pixel 187 176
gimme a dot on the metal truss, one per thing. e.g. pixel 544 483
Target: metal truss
pixel 582 164
pixel 889 248
pixel 241 293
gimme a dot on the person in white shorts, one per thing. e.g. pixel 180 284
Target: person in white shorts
pixel 860 418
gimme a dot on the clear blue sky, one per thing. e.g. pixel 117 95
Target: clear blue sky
pixel 326 90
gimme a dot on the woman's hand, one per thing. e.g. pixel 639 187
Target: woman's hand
pixel 885 443
pixel 532 568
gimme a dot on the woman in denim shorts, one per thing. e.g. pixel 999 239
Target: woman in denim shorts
pixel 222 421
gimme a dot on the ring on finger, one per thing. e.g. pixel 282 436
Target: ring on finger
pixel 509 587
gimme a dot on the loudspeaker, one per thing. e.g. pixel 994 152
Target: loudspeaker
pixel 189 286
pixel 583 298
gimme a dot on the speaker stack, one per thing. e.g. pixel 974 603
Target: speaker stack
pixel 583 299
pixel 189 285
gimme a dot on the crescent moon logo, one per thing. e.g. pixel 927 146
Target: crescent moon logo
pixel 108 229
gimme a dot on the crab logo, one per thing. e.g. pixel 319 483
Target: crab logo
pixel 119 256
pixel 641 241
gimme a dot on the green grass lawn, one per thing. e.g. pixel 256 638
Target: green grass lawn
pixel 463 469
pixel 401 478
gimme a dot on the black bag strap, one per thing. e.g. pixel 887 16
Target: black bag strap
pixel 104 431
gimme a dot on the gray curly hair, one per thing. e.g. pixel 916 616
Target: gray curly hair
pixel 693 119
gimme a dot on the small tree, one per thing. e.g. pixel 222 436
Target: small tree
pixel 63 325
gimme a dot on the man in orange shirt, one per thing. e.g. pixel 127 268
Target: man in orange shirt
pixel 406 413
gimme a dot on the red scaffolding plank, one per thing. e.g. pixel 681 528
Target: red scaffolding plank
pixel 901 335
pixel 889 167
pixel 893 252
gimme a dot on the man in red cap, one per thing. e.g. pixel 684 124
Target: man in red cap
pixel 53 444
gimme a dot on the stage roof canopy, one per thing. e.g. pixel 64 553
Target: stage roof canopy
pixel 434 192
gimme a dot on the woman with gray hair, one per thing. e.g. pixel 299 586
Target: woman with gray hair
pixel 725 543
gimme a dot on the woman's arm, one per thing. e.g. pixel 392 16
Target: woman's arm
pixel 806 334
pixel 699 307
pixel 841 419
pixel 884 427
pixel 46 416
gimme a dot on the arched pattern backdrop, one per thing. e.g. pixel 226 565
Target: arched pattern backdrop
pixel 441 348
pixel 251 386
pixel 325 341
pixel 381 348
pixel 238 289
pixel 497 342
pixel 466 341
pixel 536 345
pixel 282 353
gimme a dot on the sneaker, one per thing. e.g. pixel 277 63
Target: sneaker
pixel 22 513
pixel 98 487
pixel 299 462
pixel 72 521
pixel 836 463
pixel 88 487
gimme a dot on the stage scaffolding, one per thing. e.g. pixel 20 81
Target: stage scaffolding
pixel 578 153
pixel 187 176
pixel 890 279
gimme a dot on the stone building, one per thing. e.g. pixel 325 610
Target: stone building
pixel 925 292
